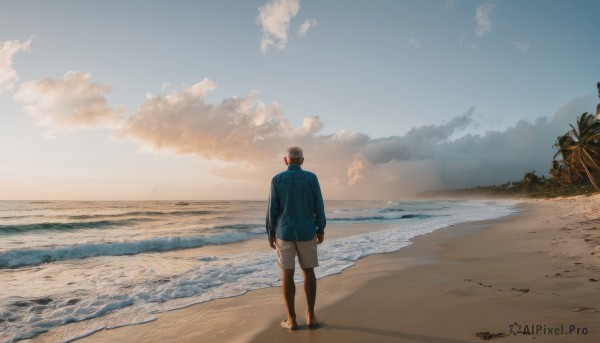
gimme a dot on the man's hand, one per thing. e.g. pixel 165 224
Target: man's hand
pixel 272 243
pixel 320 238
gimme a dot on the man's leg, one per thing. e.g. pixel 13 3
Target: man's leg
pixel 289 294
pixel 310 288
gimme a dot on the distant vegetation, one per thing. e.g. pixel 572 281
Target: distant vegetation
pixel 575 172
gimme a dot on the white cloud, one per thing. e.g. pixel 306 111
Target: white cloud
pixel 69 103
pixel 234 129
pixel 521 46
pixel 305 26
pixel 274 19
pixel 483 20
pixel 165 86
pixel 243 132
pixel 310 126
pixel 415 43
pixel 355 171
pixel 8 75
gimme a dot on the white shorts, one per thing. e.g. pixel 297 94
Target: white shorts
pixel 306 251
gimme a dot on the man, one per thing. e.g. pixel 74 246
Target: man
pixel 295 225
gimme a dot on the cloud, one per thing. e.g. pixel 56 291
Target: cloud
pixel 69 103
pixel 427 158
pixel 500 156
pixel 165 86
pixel 483 20
pixel 247 138
pixel 355 170
pixel 305 26
pixel 245 134
pixel 244 131
pixel 235 129
pixel 521 46
pixel 310 126
pixel 274 19
pixel 415 43
pixel 8 75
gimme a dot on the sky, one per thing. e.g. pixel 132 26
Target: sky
pixel 198 100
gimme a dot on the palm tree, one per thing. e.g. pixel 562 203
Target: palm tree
pixel 560 173
pixel 580 149
pixel 561 170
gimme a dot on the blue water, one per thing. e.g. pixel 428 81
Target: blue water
pixel 91 265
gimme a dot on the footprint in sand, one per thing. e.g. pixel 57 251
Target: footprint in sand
pixel 524 290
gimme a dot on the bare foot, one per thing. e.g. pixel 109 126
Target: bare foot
pixel 289 324
pixel 312 322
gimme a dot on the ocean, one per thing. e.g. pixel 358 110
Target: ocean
pixel 70 268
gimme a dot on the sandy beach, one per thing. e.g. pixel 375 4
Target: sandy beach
pixel 537 272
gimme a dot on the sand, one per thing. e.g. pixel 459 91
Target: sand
pixel 538 271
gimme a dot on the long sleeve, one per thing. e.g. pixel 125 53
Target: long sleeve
pixel 272 212
pixel 320 220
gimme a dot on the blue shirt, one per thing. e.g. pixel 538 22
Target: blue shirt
pixel 296 211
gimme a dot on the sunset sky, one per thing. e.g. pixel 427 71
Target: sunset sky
pixel 156 100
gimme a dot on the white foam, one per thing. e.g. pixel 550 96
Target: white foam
pixel 85 334
pixel 149 320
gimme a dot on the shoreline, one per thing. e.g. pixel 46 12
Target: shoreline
pixel 532 269
pixel 416 294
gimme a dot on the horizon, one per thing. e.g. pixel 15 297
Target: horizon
pixel 111 101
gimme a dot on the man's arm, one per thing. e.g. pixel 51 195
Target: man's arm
pixel 320 221
pixel 272 214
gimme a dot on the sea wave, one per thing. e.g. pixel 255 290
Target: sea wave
pixel 115 215
pixel 22 216
pixel 243 272
pixel 387 217
pixel 24 318
pixel 29 257
pixel 238 227
pixel 142 213
pixel 68 226
pixel 390 210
